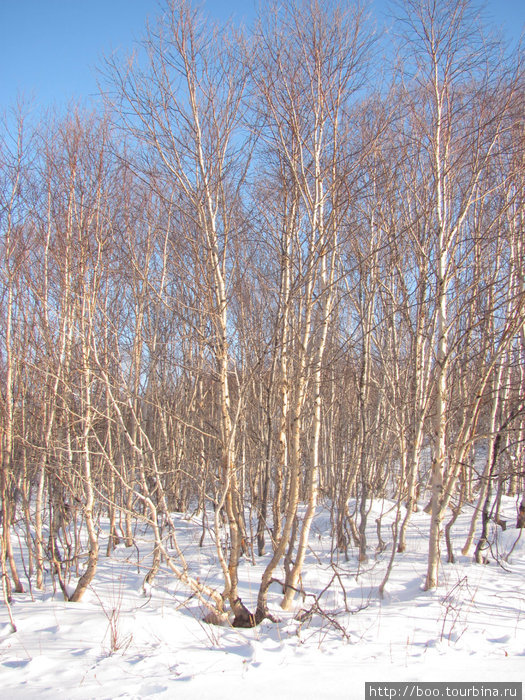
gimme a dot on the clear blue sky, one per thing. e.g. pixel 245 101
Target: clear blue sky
pixel 50 48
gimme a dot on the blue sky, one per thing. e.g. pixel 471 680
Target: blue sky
pixel 50 48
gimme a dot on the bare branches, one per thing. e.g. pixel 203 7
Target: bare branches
pixel 261 285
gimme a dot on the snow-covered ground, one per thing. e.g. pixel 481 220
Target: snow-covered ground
pixel 120 643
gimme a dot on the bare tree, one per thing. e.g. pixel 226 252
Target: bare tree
pixel 447 55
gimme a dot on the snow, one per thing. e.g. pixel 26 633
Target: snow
pixel 120 642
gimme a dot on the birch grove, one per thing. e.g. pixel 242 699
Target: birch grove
pixel 270 276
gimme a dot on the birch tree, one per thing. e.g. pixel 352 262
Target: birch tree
pixel 308 64
pixel 187 112
pixel 453 70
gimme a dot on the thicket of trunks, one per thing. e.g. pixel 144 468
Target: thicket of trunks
pixel 259 279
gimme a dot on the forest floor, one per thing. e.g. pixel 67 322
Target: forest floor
pixel 120 642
